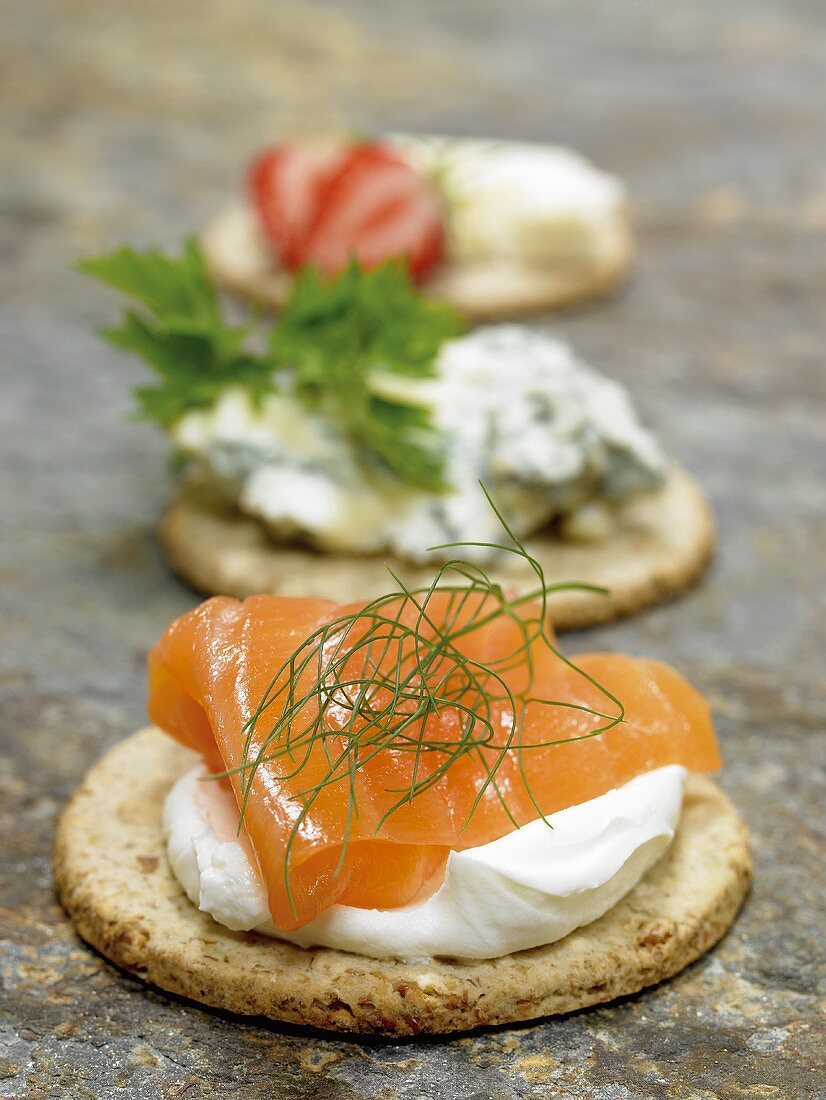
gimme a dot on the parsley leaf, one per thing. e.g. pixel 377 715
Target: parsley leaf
pixel 348 347
pixel 182 336
pixel 346 340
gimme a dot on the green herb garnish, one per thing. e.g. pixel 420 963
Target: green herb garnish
pixel 348 342
pixel 367 682
pixel 182 333
pixel 341 345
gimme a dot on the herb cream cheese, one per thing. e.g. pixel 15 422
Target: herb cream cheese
pixel 531 204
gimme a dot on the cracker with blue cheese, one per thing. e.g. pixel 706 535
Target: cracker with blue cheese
pixel 364 430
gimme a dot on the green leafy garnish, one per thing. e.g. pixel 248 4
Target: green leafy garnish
pixel 347 340
pixel 182 334
pixel 341 345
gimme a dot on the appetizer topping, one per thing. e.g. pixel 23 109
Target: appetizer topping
pixel 532 204
pixel 361 422
pixel 532 886
pixel 512 407
pixel 334 355
pixel 326 206
pixel 363 744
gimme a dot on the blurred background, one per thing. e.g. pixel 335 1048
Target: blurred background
pixel 135 122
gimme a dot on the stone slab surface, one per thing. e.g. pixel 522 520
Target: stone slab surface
pixel 131 121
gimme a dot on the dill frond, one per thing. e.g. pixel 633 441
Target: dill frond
pixel 368 681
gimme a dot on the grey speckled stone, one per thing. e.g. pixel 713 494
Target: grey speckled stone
pixel 133 121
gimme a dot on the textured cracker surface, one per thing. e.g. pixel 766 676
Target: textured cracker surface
pixel 241 264
pixel 661 546
pixel 113 878
pixel 128 122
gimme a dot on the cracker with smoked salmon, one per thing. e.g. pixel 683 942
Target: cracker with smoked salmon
pixel 375 758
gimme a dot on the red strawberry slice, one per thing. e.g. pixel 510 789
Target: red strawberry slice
pixel 285 185
pixel 374 208
pixel 363 202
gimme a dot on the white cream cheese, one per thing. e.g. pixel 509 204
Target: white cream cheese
pixel 538 205
pixel 531 887
pixel 519 411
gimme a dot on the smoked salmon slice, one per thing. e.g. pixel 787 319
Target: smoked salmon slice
pixel 385 736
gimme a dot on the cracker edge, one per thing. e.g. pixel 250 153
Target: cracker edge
pixel 551 291
pixel 337 991
pixel 209 567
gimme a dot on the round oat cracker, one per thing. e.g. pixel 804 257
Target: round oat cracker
pixel 240 262
pixel 662 544
pixel 113 879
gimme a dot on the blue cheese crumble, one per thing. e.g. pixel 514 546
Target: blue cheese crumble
pixel 550 438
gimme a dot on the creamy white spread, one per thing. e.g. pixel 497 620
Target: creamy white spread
pixel 543 431
pixel 538 205
pixel 533 886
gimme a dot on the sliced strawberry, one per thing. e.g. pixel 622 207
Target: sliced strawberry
pixel 364 201
pixel 377 207
pixel 285 185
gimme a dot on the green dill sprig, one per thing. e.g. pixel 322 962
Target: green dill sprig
pixel 367 682
pixel 338 346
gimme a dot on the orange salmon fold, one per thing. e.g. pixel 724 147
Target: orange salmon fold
pixel 211 669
